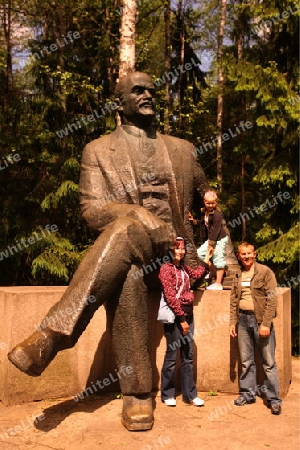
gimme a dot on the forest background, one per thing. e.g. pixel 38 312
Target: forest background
pixel 227 78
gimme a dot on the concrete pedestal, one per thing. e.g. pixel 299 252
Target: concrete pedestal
pixel 91 360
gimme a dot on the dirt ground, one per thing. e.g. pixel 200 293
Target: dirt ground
pixel 94 423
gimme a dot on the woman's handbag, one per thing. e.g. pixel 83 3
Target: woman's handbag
pixel 165 313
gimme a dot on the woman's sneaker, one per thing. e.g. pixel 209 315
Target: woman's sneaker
pixel 198 401
pixel 170 401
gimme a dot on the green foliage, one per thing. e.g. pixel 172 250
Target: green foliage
pixel 53 199
pixel 212 393
pixel 55 262
pixel 54 89
pixel 284 249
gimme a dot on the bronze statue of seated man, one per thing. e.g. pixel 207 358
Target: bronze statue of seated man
pixel 136 189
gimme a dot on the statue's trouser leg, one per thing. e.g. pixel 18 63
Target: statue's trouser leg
pixel 99 278
pixel 128 320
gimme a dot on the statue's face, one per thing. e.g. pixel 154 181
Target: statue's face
pixel 138 98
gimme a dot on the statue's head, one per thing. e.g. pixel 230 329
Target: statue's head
pixel 135 94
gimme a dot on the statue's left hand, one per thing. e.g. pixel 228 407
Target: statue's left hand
pixel 161 234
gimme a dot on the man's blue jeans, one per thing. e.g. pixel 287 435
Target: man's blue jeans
pixel 248 337
pixel 175 340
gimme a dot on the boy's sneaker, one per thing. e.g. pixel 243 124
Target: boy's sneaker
pixel 215 287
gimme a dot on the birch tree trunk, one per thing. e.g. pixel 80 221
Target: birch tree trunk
pixel 220 94
pixel 127 39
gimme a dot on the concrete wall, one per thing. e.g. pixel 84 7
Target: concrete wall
pixel 216 355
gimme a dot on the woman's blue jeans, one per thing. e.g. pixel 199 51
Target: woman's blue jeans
pixel 176 341
pixel 248 338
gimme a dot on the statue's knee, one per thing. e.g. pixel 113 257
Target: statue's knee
pixel 126 225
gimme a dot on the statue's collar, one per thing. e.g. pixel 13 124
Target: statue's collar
pixel 139 132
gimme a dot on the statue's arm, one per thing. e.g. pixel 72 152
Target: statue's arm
pixel 196 172
pixel 200 181
pixel 93 190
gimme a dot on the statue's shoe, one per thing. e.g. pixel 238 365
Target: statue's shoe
pixel 137 412
pixel 34 354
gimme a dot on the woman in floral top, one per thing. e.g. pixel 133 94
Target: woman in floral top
pixel 175 280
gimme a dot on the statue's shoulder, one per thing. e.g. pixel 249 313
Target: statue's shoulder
pixel 102 143
pixel 102 140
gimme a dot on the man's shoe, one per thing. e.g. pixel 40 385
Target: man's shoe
pixel 241 401
pixel 276 409
pixel 34 354
pixel 170 401
pixel 137 412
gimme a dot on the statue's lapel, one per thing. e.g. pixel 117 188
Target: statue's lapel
pixel 124 167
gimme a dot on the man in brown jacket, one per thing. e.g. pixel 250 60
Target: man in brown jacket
pixel 136 188
pixel 253 306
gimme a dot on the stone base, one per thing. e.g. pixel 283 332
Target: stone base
pixel 216 355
